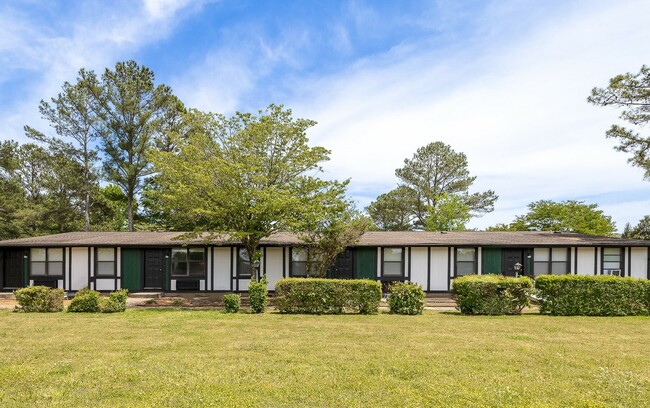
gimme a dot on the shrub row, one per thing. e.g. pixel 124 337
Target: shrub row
pixel 44 299
pixel 491 294
pixel 406 298
pixel 39 299
pixel 568 295
pixel 327 296
pixel 90 301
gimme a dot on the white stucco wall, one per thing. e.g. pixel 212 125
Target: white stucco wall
pixel 105 284
pixel 439 276
pixel 273 264
pixel 419 266
pixel 222 268
pixel 243 285
pixel 79 268
pixel 586 261
pixel 638 265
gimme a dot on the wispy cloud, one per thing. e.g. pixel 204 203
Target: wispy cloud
pixel 516 107
pixel 504 82
pixel 93 35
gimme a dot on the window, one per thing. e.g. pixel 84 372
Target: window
pixel 105 261
pixel 612 261
pixel 393 262
pixel 244 267
pixel 465 261
pixel 554 261
pixel 47 261
pixel 301 263
pixel 188 262
pixel 298 262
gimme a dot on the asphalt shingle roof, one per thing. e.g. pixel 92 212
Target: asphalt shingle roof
pixel 373 238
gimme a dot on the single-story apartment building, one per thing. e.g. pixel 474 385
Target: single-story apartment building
pixel 159 261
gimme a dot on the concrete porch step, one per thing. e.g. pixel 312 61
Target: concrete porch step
pixel 7 295
pixel 145 295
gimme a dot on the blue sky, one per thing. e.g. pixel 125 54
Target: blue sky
pixel 503 81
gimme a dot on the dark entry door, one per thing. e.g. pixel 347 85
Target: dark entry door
pixel 154 261
pixel 14 276
pixel 510 258
pixel 343 266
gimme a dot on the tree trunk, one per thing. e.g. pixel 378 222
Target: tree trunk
pixel 251 248
pixel 130 210
pixel 87 212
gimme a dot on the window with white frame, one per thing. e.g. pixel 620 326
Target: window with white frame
pixel 393 262
pixel 465 261
pixel 188 262
pixel 612 261
pixel 46 261
pixel 551 261
pixel 105 261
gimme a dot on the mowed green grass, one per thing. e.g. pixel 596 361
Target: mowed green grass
pixel 208 358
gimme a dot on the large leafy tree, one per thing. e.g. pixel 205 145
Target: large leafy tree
pixel 329 230
pixel 74 121
pixel 245 177
pixel 450 213
pixel 395 210
pixel 133 115
pixel 41 191
pixel 435 183
pixel 631 92
pixel 11 190
pixel 564 216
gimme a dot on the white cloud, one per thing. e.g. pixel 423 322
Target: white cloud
pixel 517 108
pixel 95 37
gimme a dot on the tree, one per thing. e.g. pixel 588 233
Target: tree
pixel 395 210
pixel 133 115
pixel 639 231
pixel 72 117
pixel 631 92
pixel 436 172
pixel 245 177
pixel 331 230
pixel 11 191
pixel 40 191
pixel 451 213
pixel 565 216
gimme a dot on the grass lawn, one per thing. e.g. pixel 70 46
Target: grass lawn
pixel 198 358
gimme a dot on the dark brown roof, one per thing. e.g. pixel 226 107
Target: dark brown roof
pixel 374 238
pixel 489 238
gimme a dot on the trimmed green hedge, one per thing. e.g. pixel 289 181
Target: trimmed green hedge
pixel 85 301
pixel 406 298
pixel 258 294
pixel 231 302
pixel 327 296
pixel 115 302
pixel 39 299
pixel 90 301
pixel 569 295
pixel 491 294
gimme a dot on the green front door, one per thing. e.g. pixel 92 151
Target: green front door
pixel 491 262
pixel 132 269
pixel 366 263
